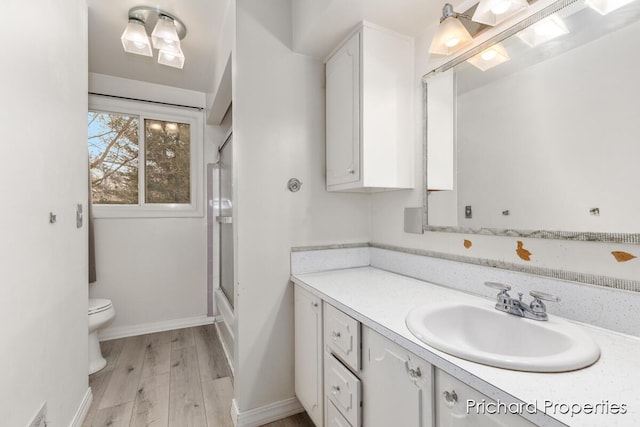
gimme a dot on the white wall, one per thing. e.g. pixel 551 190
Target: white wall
pixel 153 269
pixel 278 120
pixel 387 219
pixel 43 266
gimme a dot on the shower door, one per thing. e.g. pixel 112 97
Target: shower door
pixel 225 219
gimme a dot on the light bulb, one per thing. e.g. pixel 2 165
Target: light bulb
pixel 488 55
pixel 501 7
pixel 139 45
pixel 452 42
pixel 170 56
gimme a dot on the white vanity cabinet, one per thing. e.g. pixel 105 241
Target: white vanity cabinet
pixel 308 353
pixel 397 385
pixel 457 406
pixel 369 112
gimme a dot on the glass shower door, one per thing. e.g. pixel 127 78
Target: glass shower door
pixel 225 219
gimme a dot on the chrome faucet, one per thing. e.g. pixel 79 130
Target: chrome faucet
pixel 535 310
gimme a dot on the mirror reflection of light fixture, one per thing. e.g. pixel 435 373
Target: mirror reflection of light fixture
pixel 489 58
pixel 493 12
pixel 451 34
pixel 543 31
pixel 166 32
pixel 604 7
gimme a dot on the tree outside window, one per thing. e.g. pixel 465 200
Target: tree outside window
pixel 117 148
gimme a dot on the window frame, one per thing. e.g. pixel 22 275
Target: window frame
pixel 145 110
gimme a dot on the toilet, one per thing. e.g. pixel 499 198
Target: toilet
pixel 100 312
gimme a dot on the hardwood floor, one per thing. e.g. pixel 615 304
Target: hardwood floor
pixel 168 379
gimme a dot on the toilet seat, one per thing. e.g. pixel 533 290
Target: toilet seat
pixel 98 305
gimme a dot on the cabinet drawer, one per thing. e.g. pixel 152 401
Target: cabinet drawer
pixel 335 418
pixel 343 389
pixel 342 336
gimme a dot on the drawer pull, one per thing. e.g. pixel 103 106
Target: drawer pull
pixel 450 397
pixel 415 373
pixel 335 335
pixel 335 389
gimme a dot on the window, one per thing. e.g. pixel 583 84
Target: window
pixel 144 160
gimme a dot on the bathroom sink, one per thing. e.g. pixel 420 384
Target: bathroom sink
pixel 484 335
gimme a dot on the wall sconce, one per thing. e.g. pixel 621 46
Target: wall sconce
pixel 451 34
pixel 166 32
pixel 493 12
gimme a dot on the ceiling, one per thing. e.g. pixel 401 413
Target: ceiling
pixel 203 19
pixel 318 26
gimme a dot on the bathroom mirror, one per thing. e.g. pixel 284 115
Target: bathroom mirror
pixel 542 122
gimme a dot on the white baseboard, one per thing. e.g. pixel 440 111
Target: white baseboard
pixel 265 414
pixel 81 413
pixel 149 328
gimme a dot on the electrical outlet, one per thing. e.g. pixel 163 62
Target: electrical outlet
pixel 40 420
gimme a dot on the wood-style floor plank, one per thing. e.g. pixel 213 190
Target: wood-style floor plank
pixel 167 379
pixel 211 358
pixel 151 407
pixel 186 404
pixel 157 357
pixel 217 402
pixel 181 338
pixel 114 416
pixel 123 384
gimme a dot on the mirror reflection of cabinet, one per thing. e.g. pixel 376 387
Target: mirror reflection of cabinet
pixel 369 112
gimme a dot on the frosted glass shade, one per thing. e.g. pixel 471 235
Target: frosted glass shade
pixel 543 31
pixel 135 40
pixel 164 35
pixel 489 58
pixel 450 37
pixel 493 12
pixel 172 59
pixel 604 7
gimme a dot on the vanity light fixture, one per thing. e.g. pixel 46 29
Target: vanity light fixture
pixel 543 31
pixel 604 7
pixel 166 32
pixel 489 58
pixel 451 34
pixel 493 12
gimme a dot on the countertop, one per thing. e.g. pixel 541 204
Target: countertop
pixel 381 301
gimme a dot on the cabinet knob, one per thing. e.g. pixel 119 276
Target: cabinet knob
pixel 415 373
pixel 351 171
pixel 315 304
pixel 335 335
pixel 335 389
pixel 450 397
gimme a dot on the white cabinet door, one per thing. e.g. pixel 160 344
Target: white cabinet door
pixel 343 114
pixel 397 385
pixel 457 406
pixel 308 353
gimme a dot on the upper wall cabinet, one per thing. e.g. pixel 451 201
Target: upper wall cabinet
pixel 369 112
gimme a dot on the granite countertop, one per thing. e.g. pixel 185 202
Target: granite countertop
pixel 381 301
